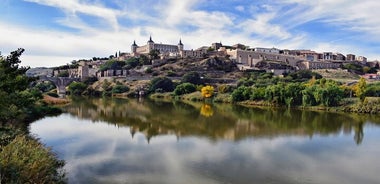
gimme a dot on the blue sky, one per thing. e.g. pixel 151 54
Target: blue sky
pixel 55 32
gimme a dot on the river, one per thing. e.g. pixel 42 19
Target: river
pixel 141 141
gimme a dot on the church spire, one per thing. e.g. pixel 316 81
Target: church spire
pixel 180 42
pixel 150 39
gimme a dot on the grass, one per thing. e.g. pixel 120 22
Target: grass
pixel 55 101
pixel 25 160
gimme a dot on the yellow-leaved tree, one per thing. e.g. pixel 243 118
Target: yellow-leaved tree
pixel 360 88
pixel 207 91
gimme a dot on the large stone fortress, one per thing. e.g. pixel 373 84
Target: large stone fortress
pixel 165 50
pixel 162 48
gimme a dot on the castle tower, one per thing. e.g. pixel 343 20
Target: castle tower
pixel 150 44
pixel 134 47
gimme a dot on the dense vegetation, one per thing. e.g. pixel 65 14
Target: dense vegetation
pixel 22 158
pixel 18 101
pixel 299 89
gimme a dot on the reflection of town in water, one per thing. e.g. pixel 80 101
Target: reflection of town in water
pixel 216 121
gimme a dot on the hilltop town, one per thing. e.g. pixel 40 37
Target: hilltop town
pixel 217 60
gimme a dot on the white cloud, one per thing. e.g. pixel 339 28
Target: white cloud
pixel 270 25
pixel 239 8
pixel 72 7
pixel 262 27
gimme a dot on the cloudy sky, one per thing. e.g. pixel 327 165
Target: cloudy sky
pixel 55 32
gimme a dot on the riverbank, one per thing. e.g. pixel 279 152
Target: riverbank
pixel 371 105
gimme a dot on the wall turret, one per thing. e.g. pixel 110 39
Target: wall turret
pixel 180 45
pixel 150 44
pixel 134 47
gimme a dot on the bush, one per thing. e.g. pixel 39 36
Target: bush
pixel 120 89
pixel 241 93
pixel 192 77
pixel 171 74
pixel 25 160
pixel 224 88
pixel 207 91
pixel 45 86
pixel 77 88
pixel 64 73
pixel 163 83
pixel 90 80
pixel 185 88
pixel 52 94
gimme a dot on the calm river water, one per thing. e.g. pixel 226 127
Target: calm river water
pixel 131 141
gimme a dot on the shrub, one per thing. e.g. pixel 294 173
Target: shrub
pixel 163 83
pixel 25 160
pixel 207 91
pixel 90 80
pixel 120 89
pixel 77 88
pixel 184 88
pixel 192 77
pixel 223 88
pixel 64 73
pixel 52 94
pixel 241 93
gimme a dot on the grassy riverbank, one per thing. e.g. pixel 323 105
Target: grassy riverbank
pixel 23 159
pixel 371 105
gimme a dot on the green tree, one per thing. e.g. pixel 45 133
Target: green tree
pixel 112 65
pixel 241 93
pixel 192 77
pixel 185 88
pixel 154 54
pixel 120 89
pixel 131 63
pixel 293 94
pixel 77 88
pixel 329 95
pixel 161 83
pixel 63 73
pixel 17 101
pixel 144 60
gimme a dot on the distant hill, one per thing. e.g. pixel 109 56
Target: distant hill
pixel 39 71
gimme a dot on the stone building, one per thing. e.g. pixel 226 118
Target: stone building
pixel 251 58
pixel 165 49
pixel 312 65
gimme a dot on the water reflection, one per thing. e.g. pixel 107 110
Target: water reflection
pixel 216 121
pixel 128 141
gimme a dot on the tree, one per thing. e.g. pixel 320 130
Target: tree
pixel 112 65
pixel 77 88
pixel 144 60
pixel 131 63
pixel 161 83
pixel 154 54
pixel 360 89
pixel 17 101
pixel 184 88
pixel 120 89
pixel 207 91
pixel 241 93
pixel 192 77
pixel 63 73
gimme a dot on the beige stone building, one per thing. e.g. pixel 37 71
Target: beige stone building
pixel 251 58
pixel 165 49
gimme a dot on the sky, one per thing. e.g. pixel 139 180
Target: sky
pixel 56 32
